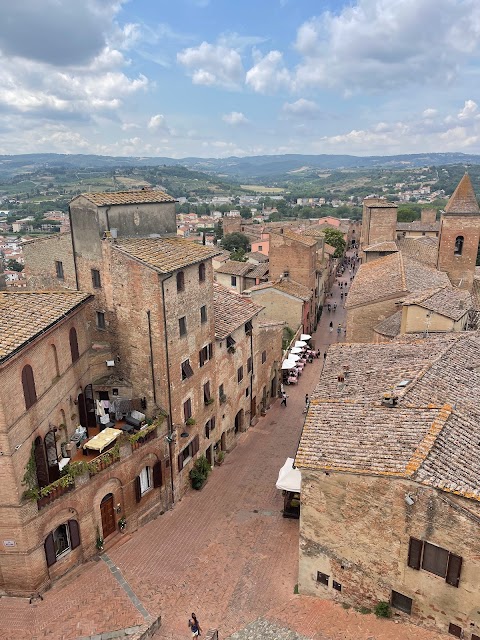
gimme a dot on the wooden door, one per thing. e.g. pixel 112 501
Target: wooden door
pixel 253 407
pixel 108 515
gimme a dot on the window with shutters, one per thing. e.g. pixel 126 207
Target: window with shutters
pixel 201 272
pixel 63 539
pixel 248 327
pixel 434 559
pixel 182 326
pixel 206 392
pixel 145 480
pixel 180 281
pixel 455 630
pixel 187 409
pixel 59 269
pixel 205 354
pixel 187 371
pixel 401 602
pixel 188 452
pixel 230 342
pixel 203 314
pixel 96 281
pixel 28 383
pixel 239 374
pixel 264 357
pixel 209 427
pixel 73 344
pixel 249 365
pixel 322 578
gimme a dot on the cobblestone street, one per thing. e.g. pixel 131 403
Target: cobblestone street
pixel 224 552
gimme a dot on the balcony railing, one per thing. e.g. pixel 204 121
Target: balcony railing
pixel 54 490
pixel 104 460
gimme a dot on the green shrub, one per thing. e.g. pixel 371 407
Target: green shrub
pixel 382 610
pixel 199 473
pixel 364 610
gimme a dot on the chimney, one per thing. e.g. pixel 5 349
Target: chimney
pixel 428 216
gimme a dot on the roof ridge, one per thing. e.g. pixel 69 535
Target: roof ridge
pixel 402 270
pixel 425 446
pixel 463 200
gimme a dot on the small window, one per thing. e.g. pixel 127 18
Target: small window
pixel 401 602
pixel 96 282
pixel 221 392
pixel 28 383
pixel 203 314
pixel 61 539
pixel 187 454
pixel 455 630
pixel 73 344
pixel 230 342
pixel 59 269
pixel 233 281
pixel 145 480
pixel 435 559
pixel 205 354
pixel 249 364
pixel 209 427
pixel 322 578
pixel 100 320
pixel 206 392
pixel 180 281
pixel 247 392
pixel 336 585
pixel 187 371
pixel 201 272
pixel 260 247
pixel 248 327
pixel 240 374
pixel 182 326
pixel 459 245
pixel 187 409
pixel 264 357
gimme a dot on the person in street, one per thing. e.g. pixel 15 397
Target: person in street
pixel 339 329
pixel 194 625
pixel 331 327
pixel 284 399
pixel 329 307
pixel 334 306
pixel 307 402
pixel 324 356
pixel 341 295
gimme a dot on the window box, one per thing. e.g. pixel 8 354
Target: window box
pixel 190 422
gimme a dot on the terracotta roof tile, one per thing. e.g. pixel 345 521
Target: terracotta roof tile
pixel 258 271
pixel 424 249
pixel 382 246
pixel 418 225
pixel 256 255
pixel 431 436
pixel 314 232
pixel 25 315
pixel 288 287
pixel 164 254
pixel 463 200
pixel 390 327
pixel 141 196
pixel 447 301
pixel 234 267
pixel 329 249
pixel 231 310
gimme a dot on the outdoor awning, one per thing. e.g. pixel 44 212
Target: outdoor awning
pixel 296 350
pixel 287 364
pixel 300 343
pixel 289 479
pixel 305 336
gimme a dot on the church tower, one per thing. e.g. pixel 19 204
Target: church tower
pixel 459 235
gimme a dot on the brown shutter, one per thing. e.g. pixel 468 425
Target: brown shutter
pixel 195 445
pixel 138 490
pixel 73 344
pixel 50 550
pixel 453 570
pixel 180 461
pixel 28 383
pixel 210 350
pixel 200 358
pixel 157 474
pixel 415 553
pixel 74 534
pixel 212 423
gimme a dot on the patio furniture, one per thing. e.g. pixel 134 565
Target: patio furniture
pixel 102 440
pixel 135 419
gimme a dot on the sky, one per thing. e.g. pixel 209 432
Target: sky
pixel 219 78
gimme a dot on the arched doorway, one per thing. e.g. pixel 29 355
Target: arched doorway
pixel 107 512
pixel 239 421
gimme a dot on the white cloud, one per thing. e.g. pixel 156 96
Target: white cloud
pixel 235 118
pixel 302 108
pixel 469 111
pixel 386 44
pixel 213 64
pixel 429 113
pixel 268 74
pixel 157 122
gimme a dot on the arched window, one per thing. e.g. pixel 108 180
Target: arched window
pixel 73 344
pixel 201 272
pixel 55 360
pixel 28 382
pixel 180 281
pixel 458 245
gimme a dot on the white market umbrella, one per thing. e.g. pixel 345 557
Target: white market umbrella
pixel 305 336
pixel 300 343
pixel 293 357
pixel 287 365
pixel 296 350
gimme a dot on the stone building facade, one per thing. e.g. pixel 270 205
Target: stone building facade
pixel 390 501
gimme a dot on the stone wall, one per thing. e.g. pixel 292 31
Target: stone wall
pixel 459 268
pixel 355 529
pixel 362 319
pixel 40 257
pixel 279 305
pixel 299 260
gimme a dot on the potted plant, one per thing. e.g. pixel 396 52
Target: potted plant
pixel 99 543
pixel 220 457
pixel 122 523
pixel 190 422
pixel 209 401
pixel 199 473
pixel 223 398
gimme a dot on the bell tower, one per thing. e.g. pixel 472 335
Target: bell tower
pixel 459 235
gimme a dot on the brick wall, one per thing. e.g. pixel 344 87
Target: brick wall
pixel 460 268
pixel 379 222
pixel 356 530
pixel 292 256
pixel 362 319
pixel 279 305
pixel 40 256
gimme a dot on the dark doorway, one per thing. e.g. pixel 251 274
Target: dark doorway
pixel 41 463
pixel 273 391
pixel 239 421
pixel 253 407
pixel 108 515
pixel 52 459
pixel 223 442
pixel 209 456
pixel 82 411
pixel 90 406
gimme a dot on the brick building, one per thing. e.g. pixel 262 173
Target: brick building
pixel 390 481
pixel 149 351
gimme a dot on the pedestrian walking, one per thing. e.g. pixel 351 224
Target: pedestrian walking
pixel 284 399
pixel 194 625
pixel 324 356
pixel 339 329
pixel 341 295
pixel 331 327
pixel 307 402
pixel 329 307
pixel 334 306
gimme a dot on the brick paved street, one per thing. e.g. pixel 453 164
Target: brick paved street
pixel 225 553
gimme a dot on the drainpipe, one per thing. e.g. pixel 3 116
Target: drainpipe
pixel 152 369
pixel 73 249
pixel 251 373
pixel 169 417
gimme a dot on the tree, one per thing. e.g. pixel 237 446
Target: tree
pixel 13 265
pixel 235 241
pixel 335 238
pixel 245 213
pixel 238 256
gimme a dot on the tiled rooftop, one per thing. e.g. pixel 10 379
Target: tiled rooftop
pixel 258 271
pixel 141 196
pixel 390 327
pixel 391 276
pixel 379 202
pixel 235 268
pixel 431 436
pixel 256 255
pixel 231 310
pixel 164 254
pixel 463 200
pixel 382 246
pixel 25 315
pixel 289 287
pixel 418 225
pixel 424 249
pixel 329 249
pixel 314 232
pixel 447 301
pixel 297 237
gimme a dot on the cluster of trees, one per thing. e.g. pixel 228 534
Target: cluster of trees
pixel 334 238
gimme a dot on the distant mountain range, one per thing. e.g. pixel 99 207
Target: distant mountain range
pixel 235 168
